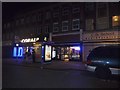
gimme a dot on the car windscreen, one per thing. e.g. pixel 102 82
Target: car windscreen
pixel 105 52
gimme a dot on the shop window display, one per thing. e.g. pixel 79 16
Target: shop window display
pixel 67 53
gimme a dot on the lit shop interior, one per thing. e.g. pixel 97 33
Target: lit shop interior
pixel 42 50
pixel 48 51
pixel 24 45
pixel 67 52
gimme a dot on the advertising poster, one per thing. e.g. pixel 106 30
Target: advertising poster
pixel 47 53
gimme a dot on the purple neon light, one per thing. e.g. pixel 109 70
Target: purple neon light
pixel 75 47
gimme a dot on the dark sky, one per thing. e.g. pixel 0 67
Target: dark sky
pixel 10 9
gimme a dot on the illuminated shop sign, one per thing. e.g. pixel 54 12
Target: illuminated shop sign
pixel 29 40
pixel 47 53
pixel 53 54
pixel 17 51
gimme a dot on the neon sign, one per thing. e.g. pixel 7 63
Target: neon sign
pixel 29 40
pixel 17 52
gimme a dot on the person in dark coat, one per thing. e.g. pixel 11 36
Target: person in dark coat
pixel 33 55
pixel 28 55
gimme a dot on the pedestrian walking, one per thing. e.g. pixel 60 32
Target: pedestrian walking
pixel 28 55
pixel 33 55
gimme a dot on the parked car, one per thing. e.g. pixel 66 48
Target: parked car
pixel 104 61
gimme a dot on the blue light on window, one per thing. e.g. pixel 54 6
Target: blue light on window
pixel 18 52
pixel 14 52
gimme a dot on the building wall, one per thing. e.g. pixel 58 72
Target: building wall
pixel 91 17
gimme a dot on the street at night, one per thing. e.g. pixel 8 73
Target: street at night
pixel 25 76
pixel 60 45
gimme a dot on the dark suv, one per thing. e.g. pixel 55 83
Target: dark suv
pixel 104 61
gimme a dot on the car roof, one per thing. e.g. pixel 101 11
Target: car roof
pixel 109 46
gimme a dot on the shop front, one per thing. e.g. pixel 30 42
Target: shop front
pixel 26 45
pixel 96 39
pixel 40 45
pixel 67 52
pixel 67 47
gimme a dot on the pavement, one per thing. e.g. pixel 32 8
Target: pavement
pixel 54 64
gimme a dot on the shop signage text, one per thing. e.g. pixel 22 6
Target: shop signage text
pixel 101 35
pixel 29 40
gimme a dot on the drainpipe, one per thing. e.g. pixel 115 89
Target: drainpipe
pixel 81 40
pixel 81 31
pixel 50 36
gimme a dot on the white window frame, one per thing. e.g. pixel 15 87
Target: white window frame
pixel 55 27
pixel 76 10
pixel 63 26
pixel 65 11
pixel 76 24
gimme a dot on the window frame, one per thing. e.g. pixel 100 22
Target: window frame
pixel 76 24
pixel 54 27
pixel 65 11
pixel 65 25
pixel 74 9
pixel 115 23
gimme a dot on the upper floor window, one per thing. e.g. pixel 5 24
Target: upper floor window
pixel 65 26
pixel 75 9
pixel 101 10
pixel 115 20
pixel 55 12
pixel 89 24
pixel 89 6
pixel 48 15
pixel 65 11
pixel 76 24
pixel 55 27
